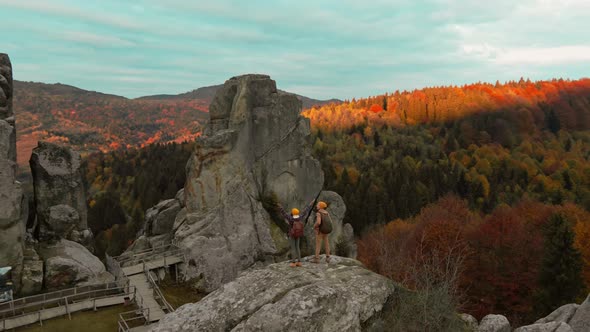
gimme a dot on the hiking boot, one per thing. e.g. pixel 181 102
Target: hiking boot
pixel 292 264
pixel 327 259
pixel 298 264
pixel 315 260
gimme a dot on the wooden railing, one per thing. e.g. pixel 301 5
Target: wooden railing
pixel 126 318
pixel 76 296
pixel 147 254
pixel 41 299
pixel 143 257
pixel 158 293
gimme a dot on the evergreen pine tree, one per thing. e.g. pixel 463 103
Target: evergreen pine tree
pixel 560 278
pixel 553 122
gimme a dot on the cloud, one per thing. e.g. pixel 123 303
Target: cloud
pixel 544 55
pixel 94 39
pixel 71 11
pixel 323 49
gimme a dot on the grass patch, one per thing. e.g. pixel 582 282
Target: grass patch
pixel 179 293
pixel 102 320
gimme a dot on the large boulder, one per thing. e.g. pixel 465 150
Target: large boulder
pixel 12 200
pixel 255 147
pixel 341 239
pixel 494 323
pixel 58 190
pixel 341 296
pixel 160 218
pixel 68 263
pixel 580 322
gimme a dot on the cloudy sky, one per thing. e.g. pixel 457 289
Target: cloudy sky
pixel 322 49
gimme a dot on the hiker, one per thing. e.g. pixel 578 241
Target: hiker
pixel 296 230
pixel 322 227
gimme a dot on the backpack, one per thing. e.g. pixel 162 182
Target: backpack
pixel 326 224
pixel 297 229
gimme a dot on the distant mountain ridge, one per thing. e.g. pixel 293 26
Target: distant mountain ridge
pixel 208 92
pixel 93 121
pixel 58 89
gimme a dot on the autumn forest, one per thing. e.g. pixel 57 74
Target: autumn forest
pixel 493 178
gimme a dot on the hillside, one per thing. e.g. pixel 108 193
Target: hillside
pixel 207 93
pixel 483 178
pixel 476 189
pixel 92 121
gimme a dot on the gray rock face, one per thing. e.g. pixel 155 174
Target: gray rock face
pixel 546 327
pixel 315 297
pixel 494 323
pixel 5 87
pixel 68 263
pixel 61 221
pixel 12 200
pixel 160 218
pixel 58 183
pixel 561 314
pixel 580 322
pixel 180 197
pixel 256 145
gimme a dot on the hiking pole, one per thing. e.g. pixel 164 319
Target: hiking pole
pixel 315 201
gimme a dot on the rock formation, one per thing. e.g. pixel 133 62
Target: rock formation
pixel 63 240
pixel 341 296
pixel 255 148
pixel 60 198
pixel 68 264
pixel 12 200
pixel 567 318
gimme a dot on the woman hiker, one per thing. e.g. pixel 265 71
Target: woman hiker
pixel 296 230
pixel 322 227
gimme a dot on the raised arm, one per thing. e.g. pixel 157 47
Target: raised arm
pixel 307 208
pixel 283 212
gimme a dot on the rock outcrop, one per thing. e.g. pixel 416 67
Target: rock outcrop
pixel 160 218
pixel 341 296
pixel 12 200
pixel 581 319
pixel 60 198
pixel 68 264
pixel 567 318
pixel 545 327
pixel 256 146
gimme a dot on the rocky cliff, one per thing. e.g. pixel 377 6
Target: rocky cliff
pixel 60 198
pixel 340 296
pixel 61 251
pixel 12 201
pixel 255 148
pixel 47 259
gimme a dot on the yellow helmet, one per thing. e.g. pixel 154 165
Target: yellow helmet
pixel 295 212
pixel 322 205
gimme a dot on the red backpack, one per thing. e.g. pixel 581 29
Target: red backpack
pixel 297 229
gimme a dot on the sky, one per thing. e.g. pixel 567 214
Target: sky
pixel 321 49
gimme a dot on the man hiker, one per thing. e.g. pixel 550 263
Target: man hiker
pixel 322 227
pixel 296 230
